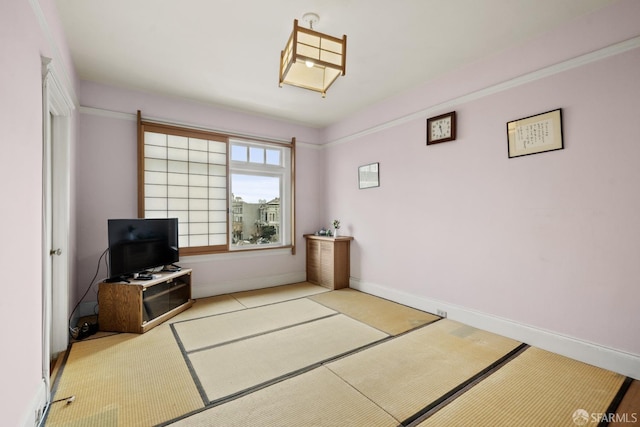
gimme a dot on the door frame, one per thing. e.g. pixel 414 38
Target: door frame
pixel 56 175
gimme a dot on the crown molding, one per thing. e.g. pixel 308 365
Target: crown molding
pixel 55 64
pixel 542 73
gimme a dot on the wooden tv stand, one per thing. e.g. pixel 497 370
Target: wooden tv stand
pixel 140 305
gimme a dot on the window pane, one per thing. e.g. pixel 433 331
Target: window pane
pixel 177 179
pixel 218 158
pixel 177 191
pixel 155 214
pixel 178 167
pixel 179 205
pixel 155 177
pixel 152 138
pixel 198 168
pixel 217 227
pixel 178 154
pixel 217 182
pixel 200 216
pixel 198 204
pixel 155 190
pixel 198 240
pixel 256 208
pixel 198 180
pixel 198 156
pixel 239 153
pixel 182 216
pixel 273 157
pixel 198 228
pixel 198 144
pixel 155 165
pixel 218 239
pixel 256 155
pixel 178 141
pixel 218 194
pixel 218 216
pixel 218 170
pixel 155 152
pixel 218 205
pixel 217 147
pixel 153 204
pixel 197 193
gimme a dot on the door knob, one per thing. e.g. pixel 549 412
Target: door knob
pixel 55 251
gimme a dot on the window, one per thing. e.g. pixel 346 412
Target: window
pixel 260 193
pixel 228 193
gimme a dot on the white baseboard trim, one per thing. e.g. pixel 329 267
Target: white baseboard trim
pixel 203 291
pixel 607 358
pixel 35 412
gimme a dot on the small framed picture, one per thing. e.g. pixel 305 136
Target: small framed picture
pixel 369 175
pixel 535 134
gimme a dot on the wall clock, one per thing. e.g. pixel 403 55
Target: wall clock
pixel 441 128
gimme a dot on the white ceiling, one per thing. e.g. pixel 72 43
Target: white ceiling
pixel 226 52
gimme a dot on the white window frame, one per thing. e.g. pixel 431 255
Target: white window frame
pixel 282 171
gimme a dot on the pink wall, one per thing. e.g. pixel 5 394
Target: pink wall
pixel 22 41
pixel 108 184
pixel 550 240
pixel 20 173
pixel 586 34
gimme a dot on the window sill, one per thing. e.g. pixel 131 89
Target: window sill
pixel 236 254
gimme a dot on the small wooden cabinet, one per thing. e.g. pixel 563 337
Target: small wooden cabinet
pixel 328 260
pixel 140 305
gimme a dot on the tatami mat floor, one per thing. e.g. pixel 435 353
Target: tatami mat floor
pixel 300 355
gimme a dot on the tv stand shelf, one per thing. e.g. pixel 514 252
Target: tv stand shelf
pixel 140 305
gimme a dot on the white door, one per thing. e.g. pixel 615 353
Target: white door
pixel 57 109
pixel 47 267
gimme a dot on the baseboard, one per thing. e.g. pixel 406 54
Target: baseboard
pixel 607 358
pixel 202 291
pixel 36 411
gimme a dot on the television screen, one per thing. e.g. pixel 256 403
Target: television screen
pixel 136 245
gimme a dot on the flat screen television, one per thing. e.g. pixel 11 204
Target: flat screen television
pixel 140 244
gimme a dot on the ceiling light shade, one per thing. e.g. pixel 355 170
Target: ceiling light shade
pixel 312 60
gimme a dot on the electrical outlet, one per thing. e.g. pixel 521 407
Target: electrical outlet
pixel 441 313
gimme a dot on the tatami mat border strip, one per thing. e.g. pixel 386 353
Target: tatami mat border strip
pixel 244 308
pixel 454 393
pixel 378 329
pixel 282 328
pixel 381 341
pixel 613 407
pixel 292 374
pixel 237 295
pixel 187 361
pixel 254 388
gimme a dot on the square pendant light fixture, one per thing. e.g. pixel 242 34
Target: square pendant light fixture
pixel 312 60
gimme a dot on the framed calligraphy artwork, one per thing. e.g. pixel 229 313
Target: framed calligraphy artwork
pixel 535 134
